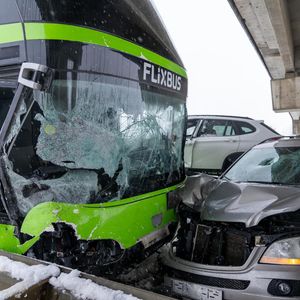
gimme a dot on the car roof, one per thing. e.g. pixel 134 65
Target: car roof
pixel 218 116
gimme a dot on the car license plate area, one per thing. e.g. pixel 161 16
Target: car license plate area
pixel 195 291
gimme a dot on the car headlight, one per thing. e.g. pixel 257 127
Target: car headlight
pixel 283 252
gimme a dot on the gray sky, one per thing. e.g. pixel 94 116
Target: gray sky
pixel 225 73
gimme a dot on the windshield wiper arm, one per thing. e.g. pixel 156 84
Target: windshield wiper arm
pixel 264 182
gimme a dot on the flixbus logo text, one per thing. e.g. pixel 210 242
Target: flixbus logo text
pixel 161 76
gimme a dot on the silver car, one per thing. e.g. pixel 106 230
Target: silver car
pixel 239 235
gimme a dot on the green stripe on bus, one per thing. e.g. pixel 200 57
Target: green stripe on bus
pixel 11 33
pixel 49 31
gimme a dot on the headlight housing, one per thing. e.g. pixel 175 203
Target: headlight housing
pixel 283 252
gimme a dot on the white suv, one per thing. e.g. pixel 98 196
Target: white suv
pixel 213 143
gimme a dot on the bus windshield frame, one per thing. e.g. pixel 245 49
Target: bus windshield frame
pixel 94 138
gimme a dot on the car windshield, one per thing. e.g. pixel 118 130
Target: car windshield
pixel 270 165
pixel 94 139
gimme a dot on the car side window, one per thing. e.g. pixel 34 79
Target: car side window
pixel 212 127
pixel 191 126
pixel 230 130
pixel 244 127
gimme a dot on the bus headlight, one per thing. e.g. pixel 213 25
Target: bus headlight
pixel 284 252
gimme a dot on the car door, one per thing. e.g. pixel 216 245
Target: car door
pixel 215 140
pixel 192 127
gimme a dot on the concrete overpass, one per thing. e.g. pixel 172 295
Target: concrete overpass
pixel 273 26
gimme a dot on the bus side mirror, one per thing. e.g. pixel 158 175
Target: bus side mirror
pixel 36 76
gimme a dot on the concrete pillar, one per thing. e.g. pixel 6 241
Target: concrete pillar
pixel 296 127
pixel 286 94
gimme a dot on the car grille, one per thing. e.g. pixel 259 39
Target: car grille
pixel 220 246
pixel 226 283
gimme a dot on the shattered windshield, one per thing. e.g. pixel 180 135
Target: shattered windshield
pixel 278 165
pixel 92 139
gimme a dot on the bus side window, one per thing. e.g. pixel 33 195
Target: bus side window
pixel 6 96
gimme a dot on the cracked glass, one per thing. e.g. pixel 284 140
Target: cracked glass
pixel 92 139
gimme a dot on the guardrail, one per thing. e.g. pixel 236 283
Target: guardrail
pixel 22 277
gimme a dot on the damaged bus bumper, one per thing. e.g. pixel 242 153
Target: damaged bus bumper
pixel 93 235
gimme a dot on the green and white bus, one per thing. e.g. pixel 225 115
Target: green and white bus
pixel 92 109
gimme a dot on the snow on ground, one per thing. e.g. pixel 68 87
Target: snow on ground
pixel 28 275
pixel 86 289
pixel 31 275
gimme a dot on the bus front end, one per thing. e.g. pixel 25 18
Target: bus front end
pixel 93 119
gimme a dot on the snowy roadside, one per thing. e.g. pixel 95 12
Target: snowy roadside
pixel 28 275
pixel 81 288
pixel 86 289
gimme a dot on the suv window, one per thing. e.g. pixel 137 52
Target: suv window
pixel 191 126
pixel 230 130
pixel 244 127
pixel 212 128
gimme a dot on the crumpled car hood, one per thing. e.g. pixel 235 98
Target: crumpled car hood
pixel 247 203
